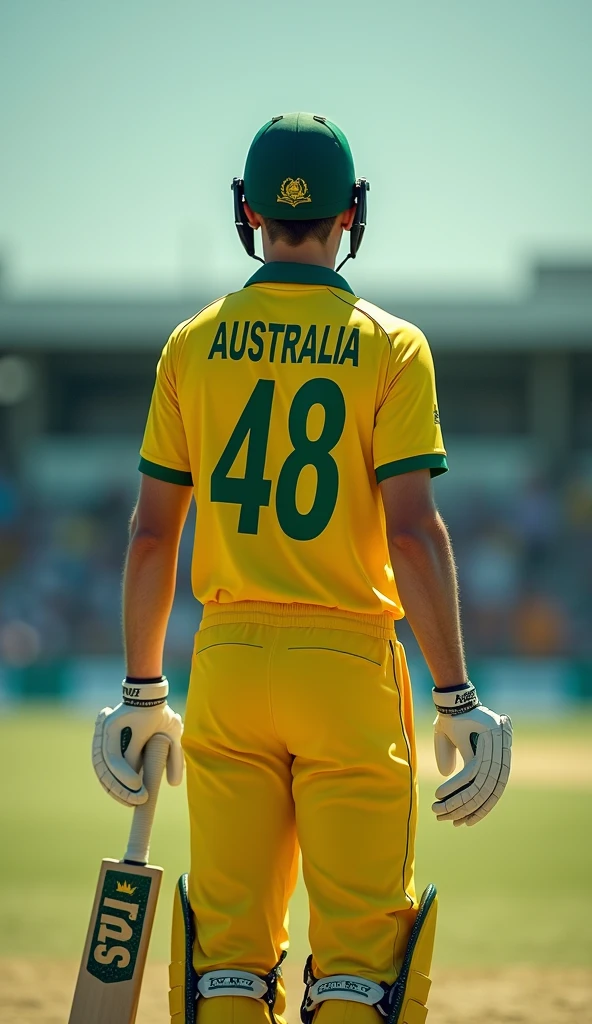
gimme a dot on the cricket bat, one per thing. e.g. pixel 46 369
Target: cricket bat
pixel 110 975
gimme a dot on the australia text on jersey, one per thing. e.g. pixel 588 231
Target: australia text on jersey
pixel 291 343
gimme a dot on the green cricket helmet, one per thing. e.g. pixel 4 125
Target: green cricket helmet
pixel 299 167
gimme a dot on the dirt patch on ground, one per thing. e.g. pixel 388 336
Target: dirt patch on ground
pixel 40 991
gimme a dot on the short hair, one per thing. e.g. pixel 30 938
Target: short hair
pixel 294 232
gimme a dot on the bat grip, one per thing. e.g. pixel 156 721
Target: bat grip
pixel 155 757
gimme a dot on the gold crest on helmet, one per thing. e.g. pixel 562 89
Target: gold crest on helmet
pixel 294 191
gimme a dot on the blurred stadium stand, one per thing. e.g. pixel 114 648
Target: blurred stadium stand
pixel 515 387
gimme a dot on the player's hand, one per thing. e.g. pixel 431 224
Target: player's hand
pixel 121 734
pixel 484 740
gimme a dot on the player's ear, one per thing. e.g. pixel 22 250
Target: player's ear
pixel 253 218
pixel 347 219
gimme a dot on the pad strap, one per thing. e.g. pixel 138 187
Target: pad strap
pixel 231 983
pixel 349 987
pixel 243 983
pixel 344 986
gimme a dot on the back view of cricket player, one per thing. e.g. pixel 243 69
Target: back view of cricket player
pixel 305 422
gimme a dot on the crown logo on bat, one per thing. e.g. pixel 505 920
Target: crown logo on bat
pixel 126 887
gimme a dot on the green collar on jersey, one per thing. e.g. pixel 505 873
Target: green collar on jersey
pixel 299 273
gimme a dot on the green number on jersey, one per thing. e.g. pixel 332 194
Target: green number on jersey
pixel 295 524
pixel 252 491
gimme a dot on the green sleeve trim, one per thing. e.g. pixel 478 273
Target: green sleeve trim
pixel 170 476
pixel 436 463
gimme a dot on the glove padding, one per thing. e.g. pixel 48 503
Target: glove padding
pixel 121 734
pixel 484 740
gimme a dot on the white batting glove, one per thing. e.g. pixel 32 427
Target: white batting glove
pixel 121 734
pixel 484 740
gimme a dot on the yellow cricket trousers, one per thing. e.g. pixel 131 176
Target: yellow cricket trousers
pixel 299 734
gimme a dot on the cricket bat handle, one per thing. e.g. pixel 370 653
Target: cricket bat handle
pixel 155 757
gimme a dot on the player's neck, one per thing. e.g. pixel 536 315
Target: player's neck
pixel 311 251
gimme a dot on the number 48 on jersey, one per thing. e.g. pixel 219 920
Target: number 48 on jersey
pixel 253 490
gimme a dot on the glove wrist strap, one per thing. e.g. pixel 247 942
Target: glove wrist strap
pixel 145 695
pixel 456 701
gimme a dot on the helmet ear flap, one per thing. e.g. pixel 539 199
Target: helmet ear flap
pixel 361 187
pixel 244 229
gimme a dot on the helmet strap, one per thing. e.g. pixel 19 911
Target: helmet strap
pixel 244 229
pixel 358 227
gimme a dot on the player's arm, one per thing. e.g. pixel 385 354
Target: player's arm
pixel 121 733
pixel 157 522
pixel 150 573
pixel 408 448
pixel 423 563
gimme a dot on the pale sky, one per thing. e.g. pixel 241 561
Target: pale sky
pixel 122 123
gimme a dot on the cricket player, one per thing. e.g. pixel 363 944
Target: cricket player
pixel 304 422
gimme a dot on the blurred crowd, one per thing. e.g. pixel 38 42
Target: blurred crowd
pixel 525 568
pixel 60 579
pixel 524 558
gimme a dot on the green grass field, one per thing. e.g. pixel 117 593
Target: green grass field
pixel 515 889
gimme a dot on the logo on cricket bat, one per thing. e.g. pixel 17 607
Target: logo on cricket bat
pixel 126 887
pixel 118 927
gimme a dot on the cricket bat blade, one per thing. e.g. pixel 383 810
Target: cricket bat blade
pixel 110 976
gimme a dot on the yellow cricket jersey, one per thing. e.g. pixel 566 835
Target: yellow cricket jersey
pixel 284 405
